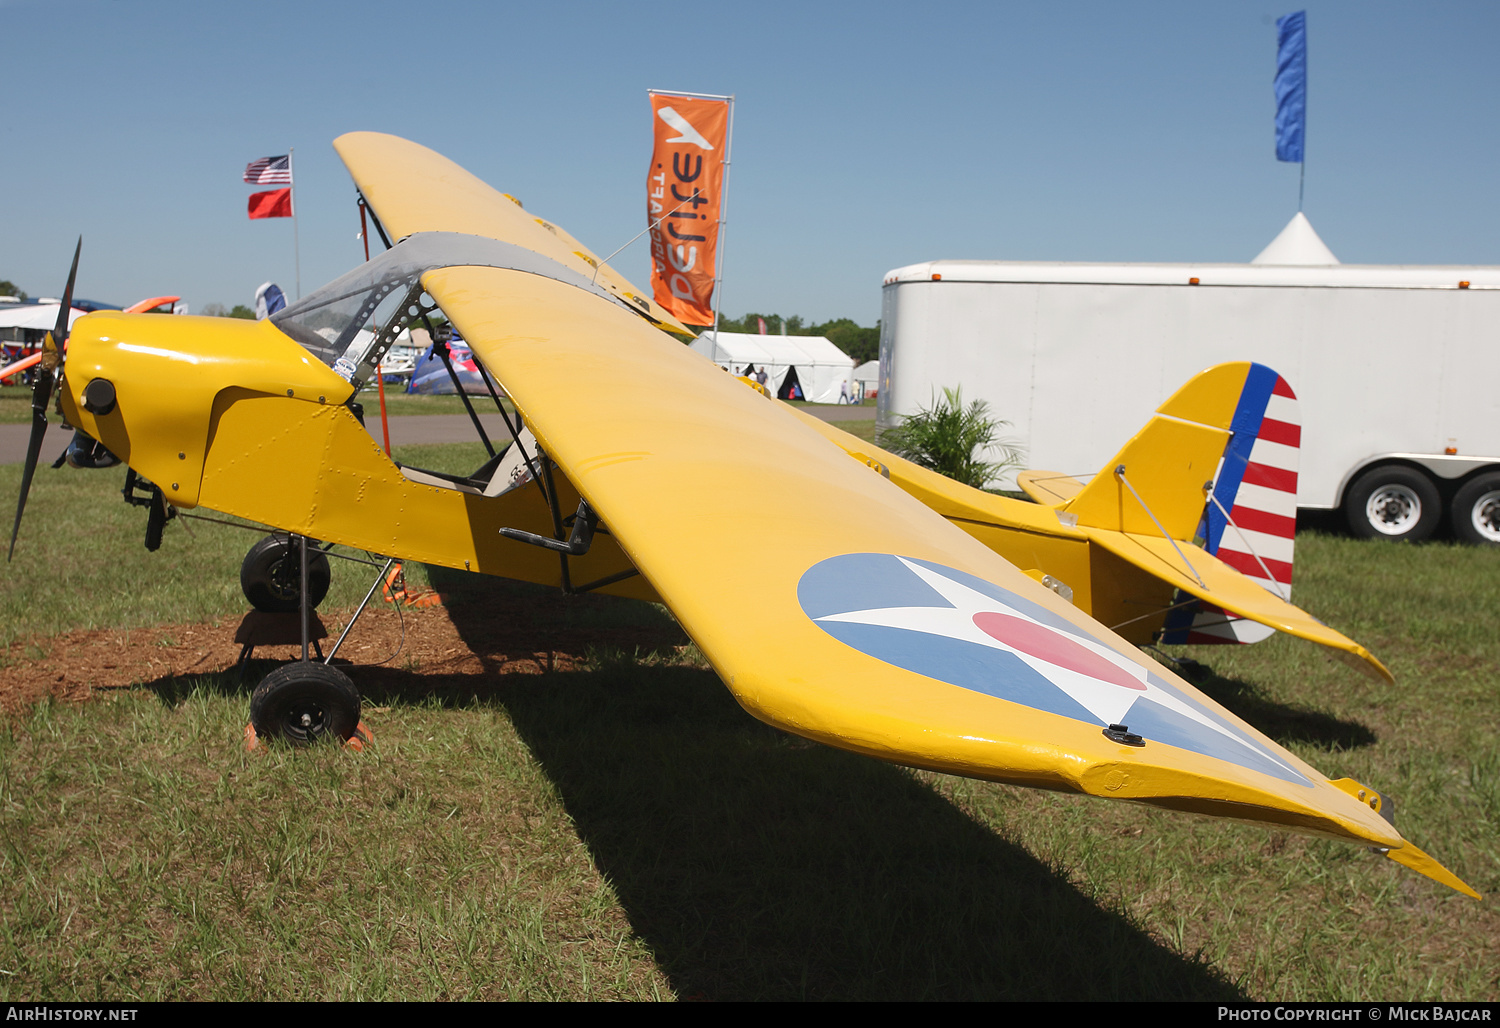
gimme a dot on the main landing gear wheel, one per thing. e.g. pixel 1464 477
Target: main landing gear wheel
pixel 1395 503
pixel 1476 511
pixel 305 702
pixel 271 576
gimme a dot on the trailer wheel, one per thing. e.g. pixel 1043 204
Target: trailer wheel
pixel 1393 502
pixel 1476 510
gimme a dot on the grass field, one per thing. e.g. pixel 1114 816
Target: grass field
pixel 623 830
pixel 15 405
pixel 400 405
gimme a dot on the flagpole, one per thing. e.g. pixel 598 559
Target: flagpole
pixel 723 208
pixel 1302 175
pixel 291 171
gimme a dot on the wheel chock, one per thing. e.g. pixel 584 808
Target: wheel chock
pixel 357 742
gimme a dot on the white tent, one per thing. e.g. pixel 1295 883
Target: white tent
pixel 868 377
pixel 35 316
pixel 812 363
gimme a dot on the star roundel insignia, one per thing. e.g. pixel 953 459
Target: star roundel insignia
pixel 951 626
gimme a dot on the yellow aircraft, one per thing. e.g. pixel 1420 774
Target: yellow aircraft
pixel 863 619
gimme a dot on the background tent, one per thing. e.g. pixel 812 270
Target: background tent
pixel 811 362
pixel 23 325
pixel 37 317
pixel 867 375
pixel 430 376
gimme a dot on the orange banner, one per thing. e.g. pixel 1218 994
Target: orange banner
pixel 684 191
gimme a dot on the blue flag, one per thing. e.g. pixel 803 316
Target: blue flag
pixel 1291 86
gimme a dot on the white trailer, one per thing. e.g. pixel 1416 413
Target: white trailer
pixel 1396 368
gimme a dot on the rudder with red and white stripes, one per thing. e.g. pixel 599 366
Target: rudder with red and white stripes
pixel 1250 520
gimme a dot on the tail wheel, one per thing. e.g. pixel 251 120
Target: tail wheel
pixel 1396 503
pixel 305 702
pixel 1476 510
pixel 271 575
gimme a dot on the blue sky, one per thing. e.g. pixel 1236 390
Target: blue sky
pixel 867 135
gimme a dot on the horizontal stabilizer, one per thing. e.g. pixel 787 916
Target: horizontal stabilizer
pixel 1203 575
pixel 1049 487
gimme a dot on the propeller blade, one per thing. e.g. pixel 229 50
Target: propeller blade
pixel 61 331
pixel 46 376
pixel 52 346
pixel 33 451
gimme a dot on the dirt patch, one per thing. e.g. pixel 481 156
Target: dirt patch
pixel 480 632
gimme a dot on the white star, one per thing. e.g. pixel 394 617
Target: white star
pixel 1107 701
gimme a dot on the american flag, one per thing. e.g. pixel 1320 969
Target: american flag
pixel 270 171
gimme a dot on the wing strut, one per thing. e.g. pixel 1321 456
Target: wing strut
pixel 514 430
pixel 557 527
pixel 440 350
pixel 585 522
pixel 364 205
pixel 1120 474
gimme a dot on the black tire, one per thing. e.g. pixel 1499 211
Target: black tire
pixel 156 520
pixel 305 702
pixel 1396 503
pixel 271 575
pixel 1476 510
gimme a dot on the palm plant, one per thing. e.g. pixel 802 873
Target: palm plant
pixel 953 440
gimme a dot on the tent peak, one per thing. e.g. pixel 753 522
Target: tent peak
pixel 1298 243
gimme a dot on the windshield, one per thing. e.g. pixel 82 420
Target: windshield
pixel 351 322
pixel 349 310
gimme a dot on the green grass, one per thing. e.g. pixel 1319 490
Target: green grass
pixel 859 427
pixel 400 405
pixel 15 405
pixel 625 831
pixel 81 561
pixel 868 405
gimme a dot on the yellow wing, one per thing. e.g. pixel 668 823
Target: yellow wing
pixel 831 603
pixel 413 189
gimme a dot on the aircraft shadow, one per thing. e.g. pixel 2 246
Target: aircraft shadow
pixel 757 865
pixel 1282 722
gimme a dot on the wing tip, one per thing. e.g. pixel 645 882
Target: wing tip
pixel 1419 861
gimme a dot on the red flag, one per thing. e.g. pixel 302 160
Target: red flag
pixel 274 204
pixel 684 190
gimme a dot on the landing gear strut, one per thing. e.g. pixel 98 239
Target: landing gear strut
pixel 308 700
pixel 305 701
